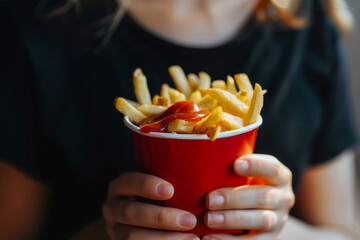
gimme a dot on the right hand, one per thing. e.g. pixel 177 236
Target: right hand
pixel 128 219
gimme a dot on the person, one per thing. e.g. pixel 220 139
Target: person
pixel 67 170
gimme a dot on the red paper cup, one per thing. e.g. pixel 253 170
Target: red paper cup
pixel 194 165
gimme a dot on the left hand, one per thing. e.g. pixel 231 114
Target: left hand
pixel 264 208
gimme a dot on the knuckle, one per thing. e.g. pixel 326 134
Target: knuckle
pixel 264 199
pixel 288 175
pixel 126 213
pixel 290 200
pixel 162 217
pixel 277 171
pixel 266 221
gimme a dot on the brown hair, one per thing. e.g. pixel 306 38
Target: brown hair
pixel 287 12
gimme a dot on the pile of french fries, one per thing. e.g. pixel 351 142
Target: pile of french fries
pixel 232 104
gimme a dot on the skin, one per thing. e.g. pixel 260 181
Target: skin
pixel 193 23
pixel 248 207
pixel 22 215
pixel 330 216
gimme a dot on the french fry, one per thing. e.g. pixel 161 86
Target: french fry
pixel 243 82
pixel 204 80
pixel 230 122
pixel 151 110
pixel 180 80
pixel 211 120
pixel 212 132
pixel 255 107
pixel 208 102
pixel 219 84
pixel 135 104
pixel 155 99
pixel 160 101
pixel 195 96
pixel 176 96
pixel 228 101
pixel 231 84
pixel 165 91
pixel 127 109
pixel 141 89
pixel 193 81
pixel 229 108
pixel 181 126
pixel 242 96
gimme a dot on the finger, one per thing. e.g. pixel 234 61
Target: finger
pixel 140 184
pixel 147 215
pixel 263 166
pixel 265 220
pixel 250 197
pixel 258 236
pixel 124 232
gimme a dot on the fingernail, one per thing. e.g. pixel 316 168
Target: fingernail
pixel 215 219
pixel 187 220
pixel 164 189
pixel 209 238
pixel 241 165
pixel 216 201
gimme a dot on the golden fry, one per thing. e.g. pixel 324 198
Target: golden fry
pixel 230 122
pixel 181 126
pixel 208 102
pixel 126 108
pixel 228 101
pixel 180 80
pixel 195 96
pixel 193 81
pixel 135 104
pixel 160 101
pixel 151 110
pixel 229 108
pixel 243 82
pixel 242 96
pixel 141 88
pixel 231 84
pixel 255 107
pixel 204 80
pixel 211 120
pixel 219 84
pixel 165 91
pixel 212 132
pixel 176 96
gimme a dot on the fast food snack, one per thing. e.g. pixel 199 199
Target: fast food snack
pixel 171 132
pixel 220 108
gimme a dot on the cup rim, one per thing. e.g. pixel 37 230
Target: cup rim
pixel 226 134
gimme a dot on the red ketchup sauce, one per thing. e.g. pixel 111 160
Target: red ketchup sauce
pixel 184 110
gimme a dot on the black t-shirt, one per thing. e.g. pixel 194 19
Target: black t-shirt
pixel 57 117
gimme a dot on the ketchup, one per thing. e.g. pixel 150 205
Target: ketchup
pixel 184 110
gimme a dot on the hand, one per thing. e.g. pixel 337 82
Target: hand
pixel 128 219
pixel 261 208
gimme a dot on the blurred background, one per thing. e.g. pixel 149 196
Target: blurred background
pixel 353 51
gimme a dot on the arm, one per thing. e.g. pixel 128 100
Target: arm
pixel 22 203
pixel 326 201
